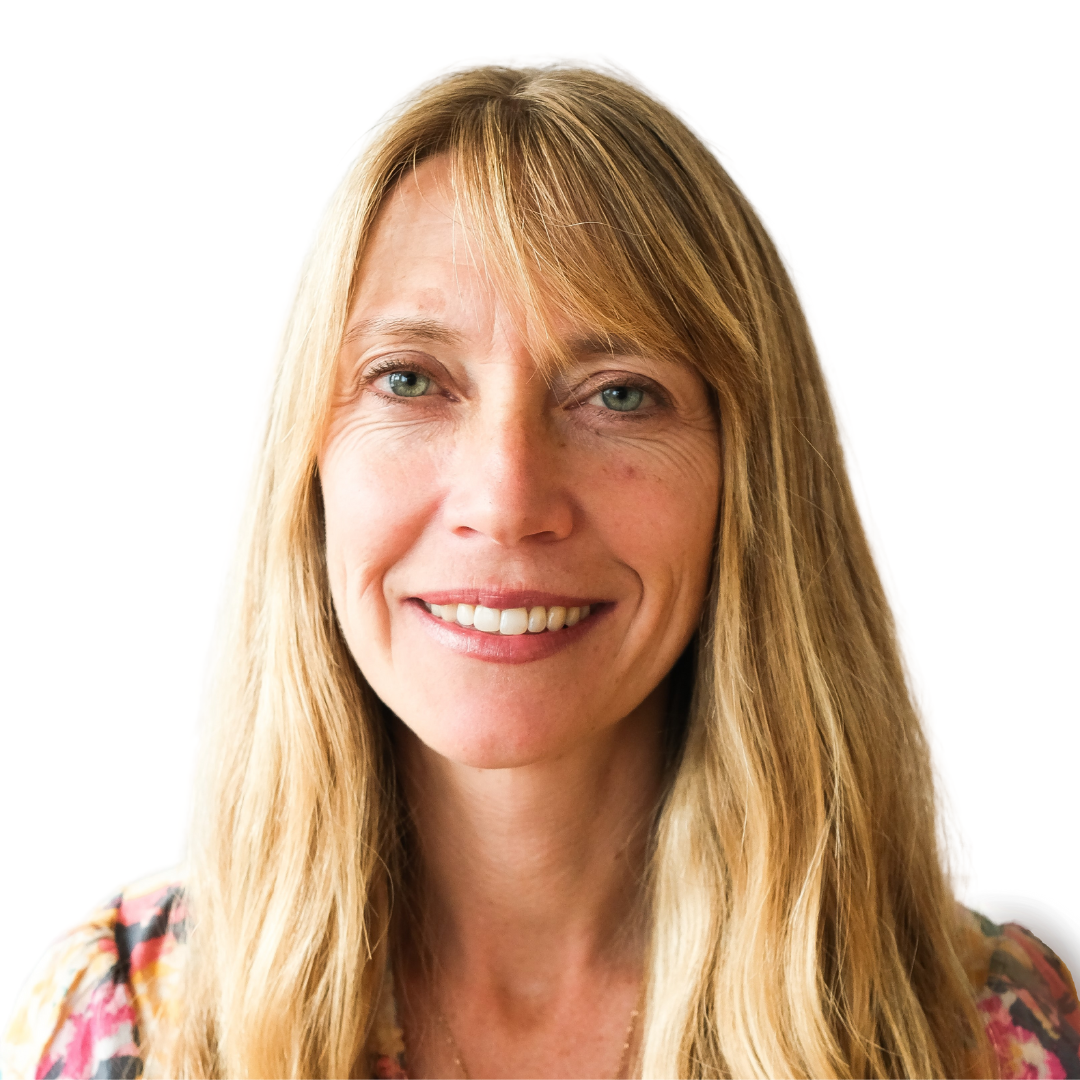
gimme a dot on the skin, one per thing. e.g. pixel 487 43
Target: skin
pixel 531 772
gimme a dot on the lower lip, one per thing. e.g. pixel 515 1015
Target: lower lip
pixel 504 648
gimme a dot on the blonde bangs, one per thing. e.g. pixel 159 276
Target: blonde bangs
pixel 560 206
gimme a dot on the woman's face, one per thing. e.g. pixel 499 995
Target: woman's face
pixel 462 487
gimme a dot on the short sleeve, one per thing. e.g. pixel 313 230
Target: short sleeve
pixel 74 1012
pixel 1026 997
pixel 101 990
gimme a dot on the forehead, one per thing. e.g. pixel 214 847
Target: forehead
pixel 422 238
pixel 427 271
pixel 438 253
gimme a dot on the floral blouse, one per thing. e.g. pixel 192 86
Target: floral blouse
pixel 103 990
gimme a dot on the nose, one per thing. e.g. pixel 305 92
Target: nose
pixel 508 480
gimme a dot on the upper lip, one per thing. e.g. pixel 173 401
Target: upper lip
pixel 506 598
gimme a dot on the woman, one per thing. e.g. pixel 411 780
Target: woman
pixel 561 729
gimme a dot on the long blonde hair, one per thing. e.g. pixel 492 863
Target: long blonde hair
pixel 802 924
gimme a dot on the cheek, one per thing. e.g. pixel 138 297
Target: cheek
pixel 378 495
pixel 657 507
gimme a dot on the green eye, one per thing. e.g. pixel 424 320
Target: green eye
pixel 622 398
pixel 408 383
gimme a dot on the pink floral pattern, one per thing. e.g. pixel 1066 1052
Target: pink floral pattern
pixel 102 992
pixel 1027 998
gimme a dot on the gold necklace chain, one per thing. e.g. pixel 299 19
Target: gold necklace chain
pixel 624 1054
pixel 454 1048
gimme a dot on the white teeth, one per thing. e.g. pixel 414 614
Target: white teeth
pixel 509 621
pixel 514 621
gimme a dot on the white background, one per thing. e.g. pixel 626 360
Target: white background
pixel 164 167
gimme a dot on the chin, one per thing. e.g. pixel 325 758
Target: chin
pixel 493 738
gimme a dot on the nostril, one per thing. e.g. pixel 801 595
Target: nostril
pixel 508 513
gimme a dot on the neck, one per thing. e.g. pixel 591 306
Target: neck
pixel 536 870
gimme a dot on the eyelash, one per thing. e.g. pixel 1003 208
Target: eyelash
pixel 381 368
pixel 646 386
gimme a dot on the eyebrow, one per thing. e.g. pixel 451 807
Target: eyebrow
pixel 609 344
pixel 405 326
pixel 432 330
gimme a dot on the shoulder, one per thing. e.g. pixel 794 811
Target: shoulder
pixel 1026 997
pixel 101 989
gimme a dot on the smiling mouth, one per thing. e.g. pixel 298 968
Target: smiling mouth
pixel 509 622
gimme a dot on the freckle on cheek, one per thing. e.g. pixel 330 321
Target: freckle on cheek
pixel 629 472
